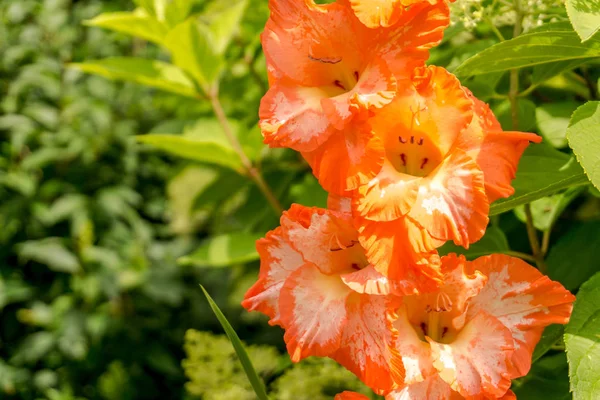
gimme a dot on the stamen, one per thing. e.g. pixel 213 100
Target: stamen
pixel 444 331
pixel 412 140
pixel 403 158
pixel 325 60
pixel 401 139
pixel 420 143
pixel 339 84
pixel 424 328
pixel 356 75
pixel 355 266
pixel 424 162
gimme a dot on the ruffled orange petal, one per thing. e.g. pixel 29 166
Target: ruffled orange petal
pixel 366 345
pixel 496 152
pixel 404 46
pixel 325 238
pixel 339 203
pixel 350 396
pixel 478 361
pixel 403 252
pixel 452 204
pixel 376 13
pixel 308 43
pixel 375 88
pixel 370 281
pixel 433 388
pixel 348 157
pixel 415 353
pixel 278 259
pixel 523 299
pixel 313 311
pixel 292 116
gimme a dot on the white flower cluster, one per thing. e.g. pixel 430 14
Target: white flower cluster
pixel 503 12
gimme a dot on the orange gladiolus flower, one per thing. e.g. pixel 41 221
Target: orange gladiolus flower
pixel 479 330
pixel 327 69
pixel 382 13
pixel 446 158
pixel 316 283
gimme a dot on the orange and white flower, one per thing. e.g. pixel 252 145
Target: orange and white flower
pixel 327 69
pixel 316 283
pixel 446 158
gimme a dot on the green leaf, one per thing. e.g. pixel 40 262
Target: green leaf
pixel 573 259
pixel 544 72
pixel 494 241
pixel 550 43
pixel 204 151
pixel 309 193
pixel 585 17
pixel 194 50
pixel 548 379
pixel 545 211
pixel 582 341
pixel 224 251
pixel 152 73
pixel 584 138
pixel 553 121
pixel 257 383
pixel 542 172
pixel 552 334
pixel 225 23
pixel 50 252
pixel 138 23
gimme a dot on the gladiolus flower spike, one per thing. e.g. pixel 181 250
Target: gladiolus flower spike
pixel 411 159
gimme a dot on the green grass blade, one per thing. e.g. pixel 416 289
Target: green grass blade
pixel 255 381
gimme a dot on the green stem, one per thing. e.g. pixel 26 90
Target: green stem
pixel 513 93
pixel 250 169
pixel 538 256
pixel 524 256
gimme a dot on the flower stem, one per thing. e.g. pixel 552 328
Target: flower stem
pixel 534 241
pixel 249 169
pixel 513 93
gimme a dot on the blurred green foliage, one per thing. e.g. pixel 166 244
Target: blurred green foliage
pixel 105 239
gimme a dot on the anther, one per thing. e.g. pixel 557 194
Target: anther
pixel 402 140
pixel 420 142
pixel 424 162
pixel 412 140
pixel 403 158
pixel 444 331
pixel 355 266
pixel 356 75
pixel 424 328
pixel 339 84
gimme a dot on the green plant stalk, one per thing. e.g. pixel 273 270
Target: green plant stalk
pixel 249 168
pixel 513 92
pixel 533 240
pixel 255 381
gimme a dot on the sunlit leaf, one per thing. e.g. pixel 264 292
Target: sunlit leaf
pixel 194 50
pixel 585 17
pixel 542 172
pixel 152 73
pixel 200 150
pixel 138 23
pixel 550 43
pixel 50 252
pixel 582 341
pixel 257 383
pixel 224 250
pixel 584 138
pixel 545 211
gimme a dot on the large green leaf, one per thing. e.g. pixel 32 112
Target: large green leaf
pixel 553 120
pixel 138 23
pixel 573 259
pixel 542 172
pixel 194 50
pixel 584 138
pixel 146 72
pixel 582 342
pixel 552 334
pixel 585 17
pixel 547 380
pixel 551 43
pixel 224 251
pixel 545 211
pixel 200 150
pixel 255 381
pixel 225 21
pixel 494 241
